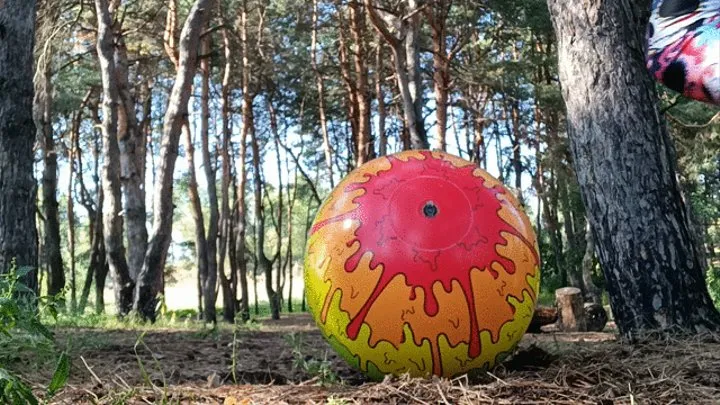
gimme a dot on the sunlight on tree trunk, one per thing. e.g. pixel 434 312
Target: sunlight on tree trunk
pixel 149 283
pixel 625 162
pixel 112 207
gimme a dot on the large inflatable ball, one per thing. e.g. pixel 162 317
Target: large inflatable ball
pixel 421 263
pixel 683 50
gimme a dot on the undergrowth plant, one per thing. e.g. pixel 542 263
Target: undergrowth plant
pixel 20 325
pixel 140 342
pixel 320 369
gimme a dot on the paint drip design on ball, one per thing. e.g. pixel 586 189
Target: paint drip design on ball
pixel 423 249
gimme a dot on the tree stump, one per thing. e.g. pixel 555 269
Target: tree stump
pixel 571 311
pixel 542 316
pixel 595 316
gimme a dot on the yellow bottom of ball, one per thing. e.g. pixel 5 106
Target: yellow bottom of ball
pixel 410 358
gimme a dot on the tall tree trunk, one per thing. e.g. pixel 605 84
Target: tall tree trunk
pixel 320 85
pixel 18 234
pixel 240 231
pixel 570 263
pixel 365 142
pixel 229 285
pixel 131 142
pixel 112 207
pixel 415 84
pixel 517 139
pixel 438 15
pixel 549 209
pixel 351 100
pixel 101 273
pixel 201 243
pixel 381 109
pixel 74 134
pixel 278 252
pixel 404 46
pixel 98 267
pixel 292 198
pixel 52 251
pixel 97 258
pixel 625 162
pixel 262 263
pixel 210 282
pixel 150 280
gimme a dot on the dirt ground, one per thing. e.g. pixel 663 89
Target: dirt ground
pixel 171 366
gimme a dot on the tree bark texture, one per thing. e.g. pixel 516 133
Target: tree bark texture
pixel 201 243
pixel 18 235
pixel 626 167
pixel 229 284
pixel 380 94
pixel 150 279
pixel 131 142
pixel 112 207
pixel 50 206
pixel 278 252
pixel 210 281
pixel 365 142
pixel 401 34
pixel 263 264
pixel 247 114
pixel 351 89
pixel 437 16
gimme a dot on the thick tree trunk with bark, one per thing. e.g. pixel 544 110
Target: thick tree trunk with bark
pixel 625 162
pixel 18 235
pixel 112 207
pixel 150 280
pixel 131 141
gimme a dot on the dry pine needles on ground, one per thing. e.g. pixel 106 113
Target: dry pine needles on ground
pixel 557 369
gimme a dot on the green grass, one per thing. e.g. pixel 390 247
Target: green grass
pixel 175 319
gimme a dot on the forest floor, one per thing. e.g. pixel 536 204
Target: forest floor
pixel 288 361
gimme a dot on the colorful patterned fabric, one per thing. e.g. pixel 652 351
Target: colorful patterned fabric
pixel 684 47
